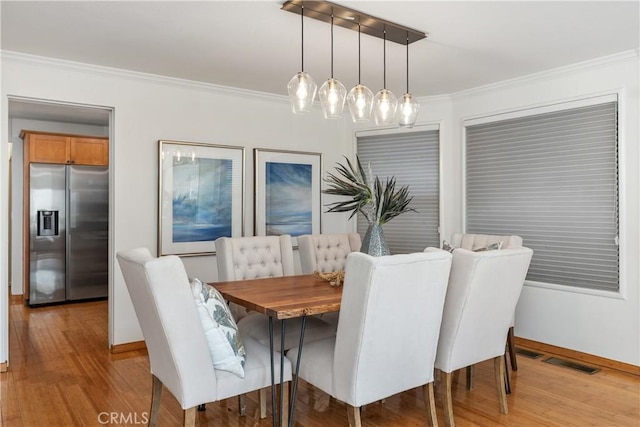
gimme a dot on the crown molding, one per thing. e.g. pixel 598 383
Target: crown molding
pixel 433 99
pixel 633 54
pixel 36 60
pixel 24 58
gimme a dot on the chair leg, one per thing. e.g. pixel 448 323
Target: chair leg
pixel 507 382
pixel 353 414
pixel 242 404
pixel 156 394
pixel 499 369
pixel 430 400
pixel 447 397
pixel 438 377
pixel 262 399
pixel 470 377
pixel 512 350
pixel 189 417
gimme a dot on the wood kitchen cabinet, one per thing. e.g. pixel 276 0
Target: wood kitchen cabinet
pixel 44 147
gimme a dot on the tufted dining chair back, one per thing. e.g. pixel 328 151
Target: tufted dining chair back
pixel 254 257
pixel 326 253
pixel 241 258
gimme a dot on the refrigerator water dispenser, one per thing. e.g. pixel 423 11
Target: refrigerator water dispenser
pixel 48 223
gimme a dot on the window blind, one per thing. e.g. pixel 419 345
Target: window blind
pixel 413 158
pixel 552 179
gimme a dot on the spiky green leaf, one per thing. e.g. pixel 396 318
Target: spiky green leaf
pixel 383 201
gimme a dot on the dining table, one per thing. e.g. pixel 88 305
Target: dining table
pixel 282 298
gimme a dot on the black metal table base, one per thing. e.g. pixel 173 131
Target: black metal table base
pixel 276 416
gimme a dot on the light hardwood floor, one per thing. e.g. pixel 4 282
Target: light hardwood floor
pixel 62 374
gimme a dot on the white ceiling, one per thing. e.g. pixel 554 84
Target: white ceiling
pixel 55 112
pixel 254 45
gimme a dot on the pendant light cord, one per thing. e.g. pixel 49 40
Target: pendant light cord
pixel 302 37
pixel 384 59
pixel 359 76
pixel 332 44
pixel 407 62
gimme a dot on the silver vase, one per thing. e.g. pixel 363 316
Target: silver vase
pixel 374 243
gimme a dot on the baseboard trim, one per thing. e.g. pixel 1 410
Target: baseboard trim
pixel 130 346
pixel 577 355
pixel 3 367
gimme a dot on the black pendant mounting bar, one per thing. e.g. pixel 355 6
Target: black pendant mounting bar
pixel 349 18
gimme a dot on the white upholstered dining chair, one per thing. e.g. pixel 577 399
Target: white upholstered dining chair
pixel 475 241
pixel 483 290
pixel 241 258
pixel 375 353
pixel 327 253
pixel 254 257
pixel 179 355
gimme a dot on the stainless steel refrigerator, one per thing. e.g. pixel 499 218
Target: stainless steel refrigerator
pixel 69 227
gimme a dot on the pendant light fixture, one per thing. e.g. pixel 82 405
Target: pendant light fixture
pixel 385 102
pixel 332 93
pixel 360 97
pixel 302 88
pixel 408 106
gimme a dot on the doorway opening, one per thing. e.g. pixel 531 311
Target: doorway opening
pixel 44 116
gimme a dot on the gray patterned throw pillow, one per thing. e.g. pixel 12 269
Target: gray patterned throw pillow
pixel 221 332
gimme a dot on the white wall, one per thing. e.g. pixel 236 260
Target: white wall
pixel 607 326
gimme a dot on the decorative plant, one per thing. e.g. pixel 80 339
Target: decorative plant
pixel 379 203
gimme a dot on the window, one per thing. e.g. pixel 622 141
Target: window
pixel 413 158
pixel 551 178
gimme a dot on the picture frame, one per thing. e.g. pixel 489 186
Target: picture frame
pixel 200 196
pixel 287 192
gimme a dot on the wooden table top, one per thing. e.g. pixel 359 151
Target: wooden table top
pixel 283 297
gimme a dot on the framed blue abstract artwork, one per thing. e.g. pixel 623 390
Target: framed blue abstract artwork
pixel 201 194
pixel 287 192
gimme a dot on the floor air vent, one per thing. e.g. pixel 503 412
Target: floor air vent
pixel 572 365
pixel 528 353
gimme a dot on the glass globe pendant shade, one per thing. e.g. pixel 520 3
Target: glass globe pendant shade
pixel 332 95
pixel 407 110
pixel 360 101
pixel 385 105
pixel 302 91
